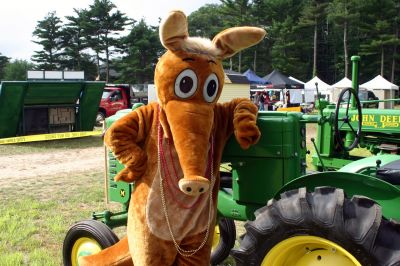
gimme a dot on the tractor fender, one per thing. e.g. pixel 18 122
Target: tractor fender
pixel 386 194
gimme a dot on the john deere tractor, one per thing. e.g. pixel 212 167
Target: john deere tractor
pixel 293 217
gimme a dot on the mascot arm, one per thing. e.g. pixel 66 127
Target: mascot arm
pixel 126 138
pixel 240 117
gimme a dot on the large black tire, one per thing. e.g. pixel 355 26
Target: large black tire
pixel 97 231
pixel 354 224
pixel 227 238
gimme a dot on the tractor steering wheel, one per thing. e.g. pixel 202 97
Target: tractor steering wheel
pixel 346 120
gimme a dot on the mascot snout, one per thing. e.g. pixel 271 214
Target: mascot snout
pixel 191 131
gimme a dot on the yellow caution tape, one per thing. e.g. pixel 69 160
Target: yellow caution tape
pixel 52 136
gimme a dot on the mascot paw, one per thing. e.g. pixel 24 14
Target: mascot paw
pixel 245 124
pixel 247 134
pixel 128 176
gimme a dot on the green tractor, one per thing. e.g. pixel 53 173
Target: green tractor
pixel 345 217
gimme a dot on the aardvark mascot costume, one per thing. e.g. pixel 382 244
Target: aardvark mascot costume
pixel 172 149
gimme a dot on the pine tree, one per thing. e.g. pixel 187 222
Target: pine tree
pixel 142 49
pixel 3 62
pixel 207 21
pixel 102 27
pixel 344 14
pixel 378 34
pixel 237 13
pixel 312 16
pixel 49 37
pixel 74 41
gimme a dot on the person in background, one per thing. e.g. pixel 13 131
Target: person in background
pixel 267 101
pixel 256 99
pixel 287 95
pixel 261 101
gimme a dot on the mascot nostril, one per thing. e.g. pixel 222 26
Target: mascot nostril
pixel 172 149
pixel 194 186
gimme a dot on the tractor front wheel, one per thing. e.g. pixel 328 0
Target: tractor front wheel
pixel 223 240
pixel 319 228
pixel 86 238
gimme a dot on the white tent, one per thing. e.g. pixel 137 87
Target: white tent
pixel 311 91
pixel 296 96
pixel 343 83
pixel 382 88
pixel 338 86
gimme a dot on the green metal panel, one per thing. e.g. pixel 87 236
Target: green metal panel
pixel 375 120
pixel 387 195
pixel 227 207
pixel 117 191
pixel 11 101
pixel 277 158
pixel 357 166
pixel 49 93
pixel 89 104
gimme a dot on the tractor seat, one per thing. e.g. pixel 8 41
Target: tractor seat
pixel 390 172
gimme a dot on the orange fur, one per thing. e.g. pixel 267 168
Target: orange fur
pixel 188 125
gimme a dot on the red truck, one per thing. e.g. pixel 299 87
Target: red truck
pixel 115 97
pixel 120 96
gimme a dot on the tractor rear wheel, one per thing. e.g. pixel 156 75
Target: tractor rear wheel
pixel 319 228
pixel 223 240
pixel 86 238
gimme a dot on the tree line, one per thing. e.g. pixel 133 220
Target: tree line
pixel 305 38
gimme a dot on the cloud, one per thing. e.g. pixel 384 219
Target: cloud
pixel 19 18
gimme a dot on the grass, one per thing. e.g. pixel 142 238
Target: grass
pixel 47 146
pixel 35 218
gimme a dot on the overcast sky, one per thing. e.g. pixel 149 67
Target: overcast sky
pixel 18 18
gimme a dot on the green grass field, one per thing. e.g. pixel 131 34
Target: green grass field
pixel 35 217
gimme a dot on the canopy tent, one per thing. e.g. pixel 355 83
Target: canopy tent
pixel 343 83
pixel 383 88
pixel 379 83
pixel 338 87
pixel 253 78
pixel 279 81
pixel 310 89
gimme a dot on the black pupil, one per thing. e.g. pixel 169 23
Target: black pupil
pixel 211 88
pixel 186 84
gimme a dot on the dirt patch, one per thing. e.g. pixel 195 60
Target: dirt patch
pixel 65 162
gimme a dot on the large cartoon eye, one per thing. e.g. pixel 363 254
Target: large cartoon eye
pixel 186 84
pixel 210 89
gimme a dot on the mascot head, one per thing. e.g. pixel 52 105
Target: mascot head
pixel 189 78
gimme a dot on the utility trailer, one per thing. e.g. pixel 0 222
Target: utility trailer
pixel 42 107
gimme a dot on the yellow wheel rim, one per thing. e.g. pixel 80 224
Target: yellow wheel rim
pixel 82 247
pixel 308 251
pixel 216 238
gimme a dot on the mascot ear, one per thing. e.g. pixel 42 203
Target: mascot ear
pixel 231 41
pixel 174 30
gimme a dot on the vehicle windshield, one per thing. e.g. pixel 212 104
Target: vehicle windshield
pixel 106 93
